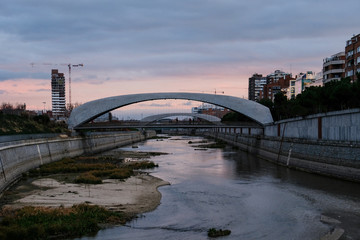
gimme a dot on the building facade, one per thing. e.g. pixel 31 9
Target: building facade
pixel 256 85
pixel 58 94
pixel 281 85
pixel 352 53
pixel 277 75
pixel 318 81
pixel 304 80
pixel 334 67
pixel 290 91
pixel 210 109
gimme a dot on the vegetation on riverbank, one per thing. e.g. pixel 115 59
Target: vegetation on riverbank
pixel 94 170
pixel 217 144
pixel 56 223
pixel 26 124
pixel 159 137
pixel 78 220
pixel 212 232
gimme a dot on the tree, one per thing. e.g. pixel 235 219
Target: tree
pixel 333 96
pixel 267 103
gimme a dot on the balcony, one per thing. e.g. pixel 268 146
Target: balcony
pixel 333 62
pixel 333 71
pixel 331 79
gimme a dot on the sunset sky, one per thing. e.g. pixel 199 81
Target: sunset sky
pixel 139 46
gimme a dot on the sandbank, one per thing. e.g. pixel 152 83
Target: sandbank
pixel 138 194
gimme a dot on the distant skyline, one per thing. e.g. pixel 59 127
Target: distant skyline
pixel 133 46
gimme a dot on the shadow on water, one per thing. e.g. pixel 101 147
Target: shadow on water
pixel 250 166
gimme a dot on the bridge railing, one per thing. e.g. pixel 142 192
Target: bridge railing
pixel 245 130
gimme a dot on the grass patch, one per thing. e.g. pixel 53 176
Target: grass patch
pixel 159 137
pixel 197 142
pixel 217 144
pixel 212 232
pixel 55 223
pixel 92 172
pixel 88 178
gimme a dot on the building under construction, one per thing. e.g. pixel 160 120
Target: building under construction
pixel 58 94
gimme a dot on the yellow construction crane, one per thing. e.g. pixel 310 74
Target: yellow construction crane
pixel 69 66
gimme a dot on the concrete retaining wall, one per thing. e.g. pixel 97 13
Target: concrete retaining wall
pixel 334 159
pixel 333 126
pixel 19 158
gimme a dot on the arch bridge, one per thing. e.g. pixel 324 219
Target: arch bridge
pixel 206 117
pixel 93 109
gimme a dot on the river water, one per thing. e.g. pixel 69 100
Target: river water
pixel 230 189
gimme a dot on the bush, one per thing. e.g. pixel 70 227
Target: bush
pixel 212 232
pixel 48 223
pixel 88 178
pixel 121 173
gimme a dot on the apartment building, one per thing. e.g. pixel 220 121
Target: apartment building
pixel 334 67
pixel 58 94
pixel 304 80
pixel 276 76
pixel 281 85
pixel 210 109
pixel 352 53
pixel 256 85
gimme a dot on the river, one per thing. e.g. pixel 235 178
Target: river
pixel 230 189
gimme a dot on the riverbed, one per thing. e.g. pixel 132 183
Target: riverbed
pixel 230 189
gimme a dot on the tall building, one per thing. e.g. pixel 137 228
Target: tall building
pixel 256 85
pixel 334 67
pixel 58 94
pixel 352 53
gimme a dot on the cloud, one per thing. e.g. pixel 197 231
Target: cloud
pixel 3 92
pixel 11 75
pixel 142 41
pixel 42 90
pixel 160 105
pixel 188 103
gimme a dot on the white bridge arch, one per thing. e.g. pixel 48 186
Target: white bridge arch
pixel 91 110
pixel 156 117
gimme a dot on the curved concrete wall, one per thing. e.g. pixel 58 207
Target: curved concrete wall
pixel 17 159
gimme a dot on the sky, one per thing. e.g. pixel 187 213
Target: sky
pixel 140 46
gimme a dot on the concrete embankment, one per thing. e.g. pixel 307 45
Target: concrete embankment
pixel 325 143
pixel 19 158
pixel 335 159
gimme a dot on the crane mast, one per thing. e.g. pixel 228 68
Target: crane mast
pixel 72 65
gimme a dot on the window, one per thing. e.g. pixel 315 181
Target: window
pixel 358 60
pixel 358 50
pixel 350 53
pixel 349 73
